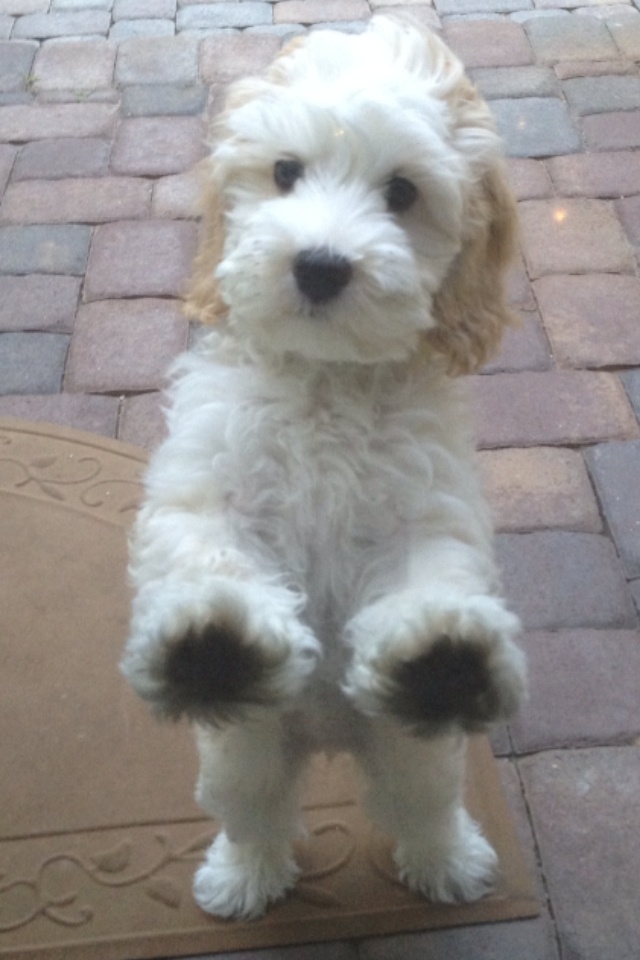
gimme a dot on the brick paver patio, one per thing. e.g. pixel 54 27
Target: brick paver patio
pixel 101 118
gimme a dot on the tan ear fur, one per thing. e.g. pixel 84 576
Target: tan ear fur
pixel 470 309
pixel 203 301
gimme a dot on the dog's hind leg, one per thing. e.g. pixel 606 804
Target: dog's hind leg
pixel 250 782
pixel 416 796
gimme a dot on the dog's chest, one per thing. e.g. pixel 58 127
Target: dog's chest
pixel 326 481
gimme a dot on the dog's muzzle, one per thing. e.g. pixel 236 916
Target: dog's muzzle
pixel 320 274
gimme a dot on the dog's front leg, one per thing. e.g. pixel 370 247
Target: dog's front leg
pixel 438 652
pixel 416 795
pixel 212 634
pixel 249 781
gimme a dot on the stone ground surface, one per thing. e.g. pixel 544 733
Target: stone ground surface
pixel 102 107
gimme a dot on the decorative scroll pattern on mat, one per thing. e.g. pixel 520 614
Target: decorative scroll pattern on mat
pixel 96 477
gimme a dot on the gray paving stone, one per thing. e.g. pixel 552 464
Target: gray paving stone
pixel 133 9
pixel 530 939
pixel 65 157
pixel 461 7
pixel 60 248
pixel 557 580
pixel 536 126
pixel 583 690
pixel 631 381
pixel 38 302
pixel 158 100
pixel 128 29
pixel 615 469
pixel 16 60
pixel 506 82
pixel 586 818
pixel 570 38
pixel 42 26
pixel 249 13
pixel 602 94
pixel 32 362
pixel 7 160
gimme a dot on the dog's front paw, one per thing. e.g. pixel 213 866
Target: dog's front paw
pixel 241 879
pixel 461 868
pixel 212 661
pixel 439 665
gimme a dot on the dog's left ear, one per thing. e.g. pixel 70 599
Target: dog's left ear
pixel 203 301
pixel 470 309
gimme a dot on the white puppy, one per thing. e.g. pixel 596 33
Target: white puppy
pixel 313 562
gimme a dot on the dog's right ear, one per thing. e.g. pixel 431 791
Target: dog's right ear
pixel 203 301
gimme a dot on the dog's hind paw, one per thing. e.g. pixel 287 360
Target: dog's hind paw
pixel 460 871
pixel 241 880
pixel 212 662
pixel 442 666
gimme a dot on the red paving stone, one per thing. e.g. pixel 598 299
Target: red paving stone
pixel 97 237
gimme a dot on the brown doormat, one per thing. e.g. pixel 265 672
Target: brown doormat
pixel 99 832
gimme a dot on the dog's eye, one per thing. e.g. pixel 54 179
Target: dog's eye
pixel 400 194
pixel 286 172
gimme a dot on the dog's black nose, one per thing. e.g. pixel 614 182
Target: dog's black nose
pixel 321 274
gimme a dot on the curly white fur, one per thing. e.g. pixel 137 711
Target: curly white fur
pixel 313 564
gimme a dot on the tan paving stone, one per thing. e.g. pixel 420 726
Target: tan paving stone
pixel 573 236
pixel 61 158
pixel 538 488
pixel 82 200
pixel 558 408
pixel 177 197
pixel 157 60
pixel 523 348
pixel 148 258
pixel 76 410
pixel 80 65
pixel 157 146
pixel 142 420
pixel 489 43
pixel 591 320
pixel 225 56
pixel 529 178
pixel 22 122
pixel 607 174
pixel 612 131
pixel 318 11
pixel 557 580
pixel 592 68
pixel 124 345
pixel 583 690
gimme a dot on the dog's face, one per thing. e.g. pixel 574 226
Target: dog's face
pixel 352 182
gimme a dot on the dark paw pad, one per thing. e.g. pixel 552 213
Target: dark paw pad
pixel 450 684
pixel 211 675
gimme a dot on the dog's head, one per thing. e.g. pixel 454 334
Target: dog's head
pixel 357 207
